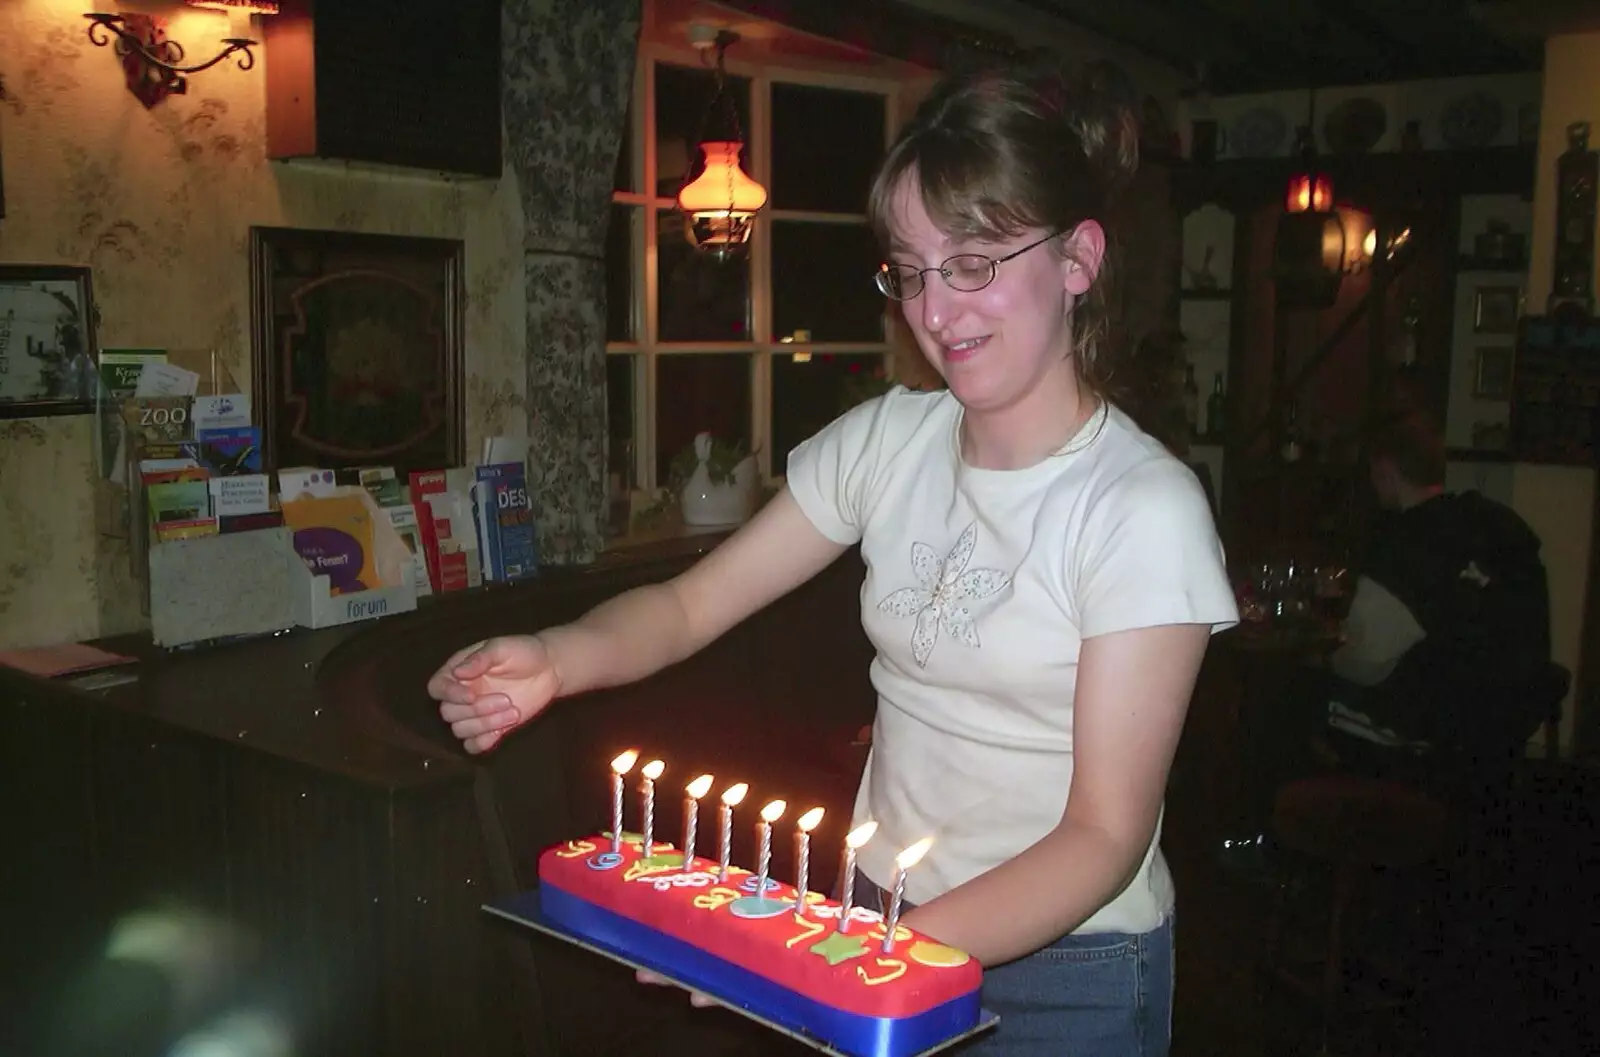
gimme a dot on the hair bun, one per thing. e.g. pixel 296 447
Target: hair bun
pixel 1106 121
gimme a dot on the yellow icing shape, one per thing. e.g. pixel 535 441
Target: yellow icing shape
pixel 937 955
pixel 901 933
pixel 896 967
pixel 575 849
pixel 715 899
pixel 811 929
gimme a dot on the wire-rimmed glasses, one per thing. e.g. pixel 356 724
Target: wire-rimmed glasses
pixel 966 272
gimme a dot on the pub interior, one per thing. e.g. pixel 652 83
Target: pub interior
pixel 253 835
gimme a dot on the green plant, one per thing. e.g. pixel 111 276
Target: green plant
pixel 725 458
pixel 861 386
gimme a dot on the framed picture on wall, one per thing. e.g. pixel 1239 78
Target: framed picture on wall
pixel 1495 309
pixel 1491 372
pixel 357 349
pixel 47 343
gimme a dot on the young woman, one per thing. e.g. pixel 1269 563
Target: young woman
pixel 1042 581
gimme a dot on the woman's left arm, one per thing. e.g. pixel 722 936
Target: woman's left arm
pixel 1133 691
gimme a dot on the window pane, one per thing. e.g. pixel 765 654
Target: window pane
pixel 826 144
pixel 684 118
pixel 808 395
pixel 622 179
pixel 622 271
pixel 700 392
pixel 620 482
pixel 822 282
pixel 701 299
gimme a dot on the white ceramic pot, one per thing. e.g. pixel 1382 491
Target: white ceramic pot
pixel 723 503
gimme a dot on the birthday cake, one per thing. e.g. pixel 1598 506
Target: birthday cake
pixel 846 987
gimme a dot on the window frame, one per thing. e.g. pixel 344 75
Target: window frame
pixel 643 206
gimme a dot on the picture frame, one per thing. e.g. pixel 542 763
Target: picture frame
pixel 1495 309
pixel 1492 371
pixel 48 354
pixel 358 349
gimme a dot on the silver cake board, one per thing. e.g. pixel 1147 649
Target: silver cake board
pixel 525 909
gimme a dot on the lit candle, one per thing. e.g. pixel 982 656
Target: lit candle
pixel 651 772
pixel 769 814
pixel 902 863
pixel 856 838
pixel 802 855
pixel 691 817
pixel 731 798
pixel 619 767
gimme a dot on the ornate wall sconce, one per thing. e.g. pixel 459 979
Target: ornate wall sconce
pixel 155 66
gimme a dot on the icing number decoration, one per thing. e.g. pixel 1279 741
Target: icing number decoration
pixel 645 868
pixel 715 899
pixel 576 849
pixel 812 928
pixel 679 880
pixel 896 969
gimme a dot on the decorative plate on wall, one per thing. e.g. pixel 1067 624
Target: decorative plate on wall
pixel 1355 126
pixel 1473 120
pixel 1258 133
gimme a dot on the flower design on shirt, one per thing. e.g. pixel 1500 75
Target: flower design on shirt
pixel 946 584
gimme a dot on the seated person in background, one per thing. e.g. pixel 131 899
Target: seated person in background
pixel 1448 629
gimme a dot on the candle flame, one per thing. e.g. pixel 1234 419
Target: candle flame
pixel 861 834
pixel 773 811
pixel 734 795
pixel 809 820
pixel 700 786
pixel 653 769
pixel 624 763
pixel 913 855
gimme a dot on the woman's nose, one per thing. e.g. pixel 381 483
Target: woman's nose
pixel 936 303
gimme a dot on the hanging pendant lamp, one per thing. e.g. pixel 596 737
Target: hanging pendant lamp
pixel 720 205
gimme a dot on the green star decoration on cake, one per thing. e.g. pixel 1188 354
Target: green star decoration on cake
pixel 839 947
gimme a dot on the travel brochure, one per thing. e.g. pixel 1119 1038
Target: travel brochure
pixel 195 464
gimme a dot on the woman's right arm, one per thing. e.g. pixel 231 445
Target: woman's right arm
pixel 641 631
pixel 491 687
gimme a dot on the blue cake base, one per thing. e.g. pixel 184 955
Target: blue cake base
pixel 557 913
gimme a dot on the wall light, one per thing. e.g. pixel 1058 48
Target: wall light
pixel 153 65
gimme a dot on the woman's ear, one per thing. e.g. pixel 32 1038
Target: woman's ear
pixel 1085 250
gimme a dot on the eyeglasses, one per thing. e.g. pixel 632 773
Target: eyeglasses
pixel 966 272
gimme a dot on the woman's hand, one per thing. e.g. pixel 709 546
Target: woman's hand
pixel 494 686
pixel 700 1001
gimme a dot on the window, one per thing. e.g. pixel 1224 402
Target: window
pixel 768 347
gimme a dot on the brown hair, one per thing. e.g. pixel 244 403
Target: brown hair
pixel 1005 149
pixel 1413 444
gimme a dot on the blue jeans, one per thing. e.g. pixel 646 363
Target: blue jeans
pixel 1102 995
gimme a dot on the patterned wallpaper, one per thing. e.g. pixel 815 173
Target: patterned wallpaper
pixel 159 204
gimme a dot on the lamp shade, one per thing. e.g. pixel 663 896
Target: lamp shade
pixel 722 201
pixel 1309 191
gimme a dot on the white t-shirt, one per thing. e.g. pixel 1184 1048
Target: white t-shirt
pixel 981 586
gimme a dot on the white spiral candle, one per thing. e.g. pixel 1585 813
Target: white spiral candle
pixel 769 814
pixel 731 798
pixel 619 767
pixel 857 837
pixel 902 864
pixel 651 772
pixel 802 856
pixel 691 817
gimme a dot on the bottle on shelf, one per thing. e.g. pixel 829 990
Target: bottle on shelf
pixel 1191 401
pixel 1216 410
pixel 1293 446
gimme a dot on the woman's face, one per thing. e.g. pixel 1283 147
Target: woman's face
pixel 992 346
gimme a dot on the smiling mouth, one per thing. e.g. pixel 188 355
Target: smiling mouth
pixel 964 350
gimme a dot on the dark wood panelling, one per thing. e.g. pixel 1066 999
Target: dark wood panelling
pixel 316 835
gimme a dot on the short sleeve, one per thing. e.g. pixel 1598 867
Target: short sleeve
pixel 830 473
pixel 1150 556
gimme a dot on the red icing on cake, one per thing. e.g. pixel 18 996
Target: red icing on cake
pixel 917 975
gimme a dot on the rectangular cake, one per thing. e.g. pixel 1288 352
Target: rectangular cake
pixel 754 950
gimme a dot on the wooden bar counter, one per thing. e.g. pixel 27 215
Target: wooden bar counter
pixel 283 832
